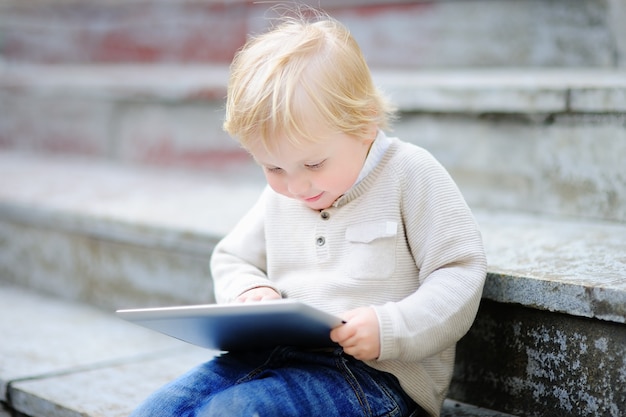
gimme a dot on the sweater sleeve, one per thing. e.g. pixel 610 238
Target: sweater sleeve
pixel 238 262
pixel 448 251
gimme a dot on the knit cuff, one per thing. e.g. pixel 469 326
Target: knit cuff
pixel 388 349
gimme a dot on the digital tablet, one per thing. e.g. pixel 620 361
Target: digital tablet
pixel 240 326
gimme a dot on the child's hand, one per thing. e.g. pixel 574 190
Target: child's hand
pixel 258 294
pixel 359 336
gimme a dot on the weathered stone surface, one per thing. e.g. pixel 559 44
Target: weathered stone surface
pixel 116 237
pixel 111 391
pixel 67 359
pixel 565 166
pixel 102 272
pixel 547 141
pixel 122 236
pixel 453 408
pixel 574 267
pixel 423 34
pixel 531 363
pixel 131 114
pixel 528 91
pixel 43 337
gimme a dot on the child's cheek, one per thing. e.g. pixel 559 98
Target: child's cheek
pixel 277 185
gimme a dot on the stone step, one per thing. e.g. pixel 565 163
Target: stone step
pixel 114 235
pixel 530 362
pixel 67 359
pixel 122 236
pixel 546 141
pixel 61 358
pixel 426 34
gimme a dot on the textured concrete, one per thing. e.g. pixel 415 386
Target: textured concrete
pixel 112 391
pixel 466 90
pixel 121 236
pixel 117 236
pixel 63 359
pixel 452 408
pixel 410 34
pixel 546 141
pixel 140 114
pixel 530 363
pixel 563 165
pixel 617 17
pixel 511 90
pixel 101 271
pixel 574 267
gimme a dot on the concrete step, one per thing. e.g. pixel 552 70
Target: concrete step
pixel 114 235
pixel 528 362
pixel 61 358
pixel 122 236
pixel 426 34
pixel 545 141
pixel 67 359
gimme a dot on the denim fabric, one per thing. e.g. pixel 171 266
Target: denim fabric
pixel 281 382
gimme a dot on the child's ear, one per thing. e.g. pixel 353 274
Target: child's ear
pixel 371 131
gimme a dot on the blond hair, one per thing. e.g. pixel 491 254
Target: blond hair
pixel 302 75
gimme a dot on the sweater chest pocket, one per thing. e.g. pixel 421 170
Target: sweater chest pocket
pixel 371 249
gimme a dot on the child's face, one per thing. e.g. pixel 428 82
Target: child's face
pixel 318 173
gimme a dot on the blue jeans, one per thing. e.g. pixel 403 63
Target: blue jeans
pixel 281 382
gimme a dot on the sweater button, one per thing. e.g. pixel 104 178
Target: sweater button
pixel 320 241
pixel 325 215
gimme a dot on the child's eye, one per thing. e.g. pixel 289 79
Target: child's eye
pixel 273 170
pixel 315 166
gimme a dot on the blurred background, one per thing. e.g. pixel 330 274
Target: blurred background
pixel 141 81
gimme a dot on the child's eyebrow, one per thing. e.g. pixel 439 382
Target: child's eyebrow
pixel 264 164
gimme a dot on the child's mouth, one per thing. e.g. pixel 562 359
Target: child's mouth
pixel 313 199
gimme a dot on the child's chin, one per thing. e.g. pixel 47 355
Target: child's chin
pixel 318 205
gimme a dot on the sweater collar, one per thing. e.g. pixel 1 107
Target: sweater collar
pixel 374 157
pixel 375 154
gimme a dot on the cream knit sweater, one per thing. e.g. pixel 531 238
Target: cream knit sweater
pixel 402 240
